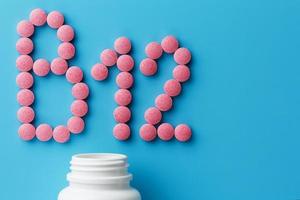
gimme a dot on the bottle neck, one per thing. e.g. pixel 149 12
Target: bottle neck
pixel 122 186
pixel 99 171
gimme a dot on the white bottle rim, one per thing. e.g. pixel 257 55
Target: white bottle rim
pixel 99 168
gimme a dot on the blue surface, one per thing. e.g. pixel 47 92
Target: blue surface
pixel 242 102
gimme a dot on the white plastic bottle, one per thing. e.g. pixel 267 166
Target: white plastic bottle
pixel 99 176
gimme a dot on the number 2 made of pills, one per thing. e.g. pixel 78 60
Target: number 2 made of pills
pixel 118 56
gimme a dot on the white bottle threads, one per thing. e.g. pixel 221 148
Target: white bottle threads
pixel 99 176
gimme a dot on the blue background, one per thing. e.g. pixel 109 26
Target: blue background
pixel 242 102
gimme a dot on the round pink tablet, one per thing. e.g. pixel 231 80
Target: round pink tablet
pixel 61 134
pixel 80 91
pixel 59 66
pixel 74 74
pixel 169 44
pixel 123 97
pixel 148 132
pixel 24 80
pixel 25 97
pixel 122 45
pixel 148 67
pixel 108 57
pixel 152 115
pixel 25 28
pixel 183 132
pixel 181 73
pixel 182 56
pixel 124 80
pixel 125 63
pixel 55 19
pixel 26 132
pixel 99 72
pixel 165 131
pixel 172 87
pixel 153 50
pixel 24 63
pixel 122 114
pixel 41 67
pixel 66 50
pixel 79 108
pixel 75 125
pixel 44 132
pixel 24 46
pixel 65 33
pixel 163 102
pixel 38 17
pixel 121 131
pixel 25 114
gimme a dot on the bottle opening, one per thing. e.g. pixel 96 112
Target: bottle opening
pixel 101 156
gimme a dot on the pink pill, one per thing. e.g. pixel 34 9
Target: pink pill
pixel 148 67
pixel 99 72
pixel 121 131
pixel 148 132
pixel 79 108
pixel 24 46
pixel 182 56
pixel 165 131
pixel 44 132
pixel 59 66
pixel 123 97
pixel 80 91
pixel 75 125
pixel 124 80
pixel 122 114
pixel 122 45
pixel 108 57
pixel 183 132
pixel 172 87
pixel 24 80
pixel 74 74
pixel 61 134
pixel 25 114
pixel 38 17
pixel 169 44
pixel 26 132
pixel 153 50
pixel 65 33
pixel 24 63
pixel 25 28
pixel 66 50
pixel 55 19
pixel 25 97
pixel 125 63
pixel 152 115
pixel 181 73
pixel 41 67
pixel 163 102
